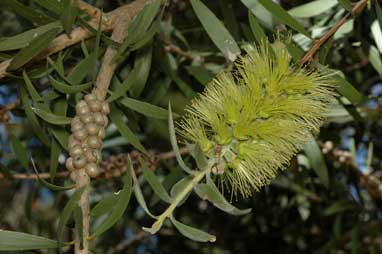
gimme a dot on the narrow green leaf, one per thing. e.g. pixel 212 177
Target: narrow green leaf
pixel 211 193
pixel 283 16
pixel 78 219
pixel 32 91
pixel 105 205
pixel 295 51
pixel 348 90
pixel 257 30
pixel 216 30
pixel 312 9
pixel 338 207
pixel 50 185
pixel 120 206
pixel 61 136
pixel 230 18
pixel 375 59
pixel 55 151
pixel 193 233
pixel 174 143
pixel 137 190
pixel 138 27
pixel 147 37
pixel 23 39
pixel 5 172
pixel 20 151
pixel 145 108
pixel 179 187
pixel 68 89
pixel 379 13
pixel 37 18
pixel 169 66
pixel 82 69
pixel 51 5
pixel 68 210
pixel 155 184
pixel 52 118
pixel 69 13
pixel 116 117
pixel 346 4
pixel 201 74
pixel 199 156
pixel 143 64
pixel 317 161
pixel 35 47
pixel 32 119
pixel 17 241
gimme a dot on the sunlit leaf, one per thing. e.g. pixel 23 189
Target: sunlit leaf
pixel 317 161
pixel 155 184
pixel 119 208
pixel 17 241
pixel 36 46
pixel 193 233
pixel 20 151
pixel 116 117
pixel 211 193
pixel 216 30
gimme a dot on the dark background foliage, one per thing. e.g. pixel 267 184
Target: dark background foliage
pixel 324 203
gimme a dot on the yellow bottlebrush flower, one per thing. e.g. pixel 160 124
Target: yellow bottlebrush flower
pixel 253 122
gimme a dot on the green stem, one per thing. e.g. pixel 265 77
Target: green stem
pixel 198 176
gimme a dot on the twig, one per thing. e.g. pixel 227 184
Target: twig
pixel 357 9
pixel 372 184
pixel 79 34
pixel 156 158
pixel 4 109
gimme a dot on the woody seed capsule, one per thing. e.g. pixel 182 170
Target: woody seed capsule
pixel 75 150
pixel 76 126
pixel 79 161
pixel 95 106
pixel 92 169
pixel 101 133
pixel 98 118
pixel 80 135
pixel 92 128
pixel 88 118
pixel 82 110
pixel 94 142
pixel 105 108
pixel 90 97
pixel 72 141
pixel 93 156
pixel 69 164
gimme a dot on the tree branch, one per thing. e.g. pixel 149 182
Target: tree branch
pixel 357 9
pixel 79 34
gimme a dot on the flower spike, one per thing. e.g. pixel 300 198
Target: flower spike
pixel 254 121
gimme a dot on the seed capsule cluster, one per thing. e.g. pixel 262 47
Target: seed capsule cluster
pixel 88 131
